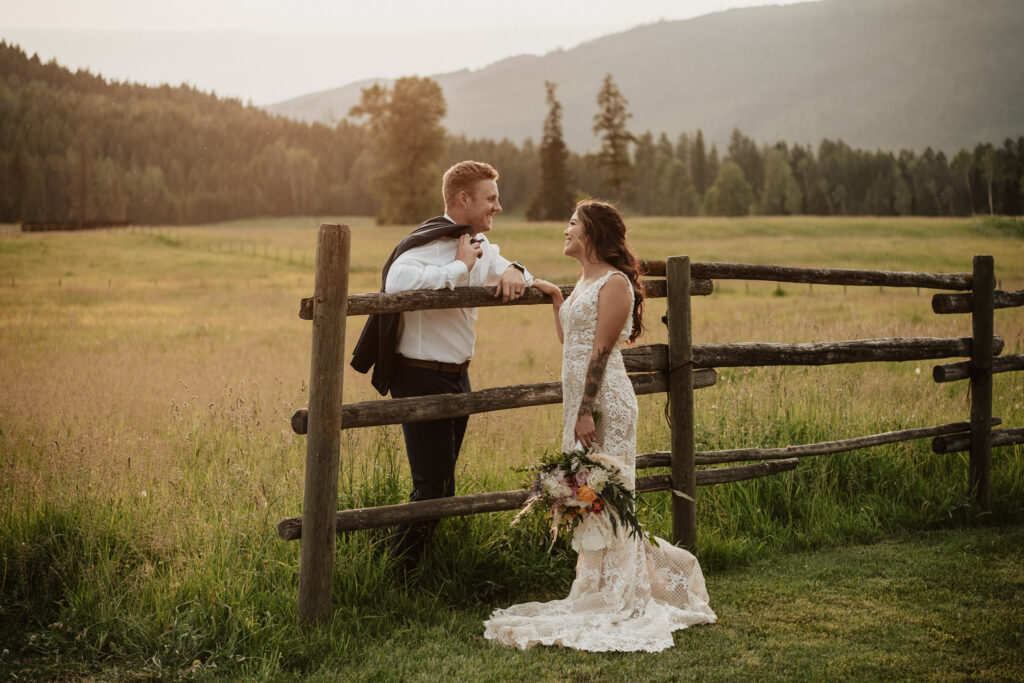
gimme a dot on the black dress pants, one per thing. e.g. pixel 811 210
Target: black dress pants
pixel 432 447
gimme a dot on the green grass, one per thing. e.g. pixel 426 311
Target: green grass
pixel 145 456
pixel 937 605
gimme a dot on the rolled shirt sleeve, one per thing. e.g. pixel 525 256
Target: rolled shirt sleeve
pixel 407 275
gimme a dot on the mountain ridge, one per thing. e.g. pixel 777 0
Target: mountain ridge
pixel 877 74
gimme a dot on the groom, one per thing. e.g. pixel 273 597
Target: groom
pixel 420 353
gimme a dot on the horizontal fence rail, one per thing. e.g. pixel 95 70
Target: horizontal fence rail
pixel 423 510
pixel 751 354
pixel 661 458
pixel 440 406
pixel 964 303
pixel 701 285
pixel 958 371
pixel 962 442
pixel 830 276
pixel 654 357
pixel 470 297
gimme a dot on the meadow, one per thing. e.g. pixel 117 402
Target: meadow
pixel 147 376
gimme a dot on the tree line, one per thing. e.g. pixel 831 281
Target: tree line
pixel 76 147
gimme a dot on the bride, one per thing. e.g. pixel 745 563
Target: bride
pixel 628 594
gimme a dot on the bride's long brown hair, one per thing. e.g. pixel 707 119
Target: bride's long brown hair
pixel 605 233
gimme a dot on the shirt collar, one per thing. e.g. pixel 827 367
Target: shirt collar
pixel 481 236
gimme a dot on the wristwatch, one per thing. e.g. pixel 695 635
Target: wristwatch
pixel 518 266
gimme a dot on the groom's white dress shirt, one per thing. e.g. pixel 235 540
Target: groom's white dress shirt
pixel 444 335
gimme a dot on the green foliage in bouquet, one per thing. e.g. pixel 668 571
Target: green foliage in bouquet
pixel 565 487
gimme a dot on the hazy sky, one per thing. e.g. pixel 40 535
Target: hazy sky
pixel 270 50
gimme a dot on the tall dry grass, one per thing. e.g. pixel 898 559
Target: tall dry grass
pixel 148 377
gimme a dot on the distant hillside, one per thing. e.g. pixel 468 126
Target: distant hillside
pixel 77 148
pixel 880 74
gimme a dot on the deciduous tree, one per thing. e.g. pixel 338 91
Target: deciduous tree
pixel 404 125
pixel 731 195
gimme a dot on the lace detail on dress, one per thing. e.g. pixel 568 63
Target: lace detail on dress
pixel 628 595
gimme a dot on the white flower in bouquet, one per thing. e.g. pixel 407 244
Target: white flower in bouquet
pixel 597 480
pixel 555 486
pixel 569 487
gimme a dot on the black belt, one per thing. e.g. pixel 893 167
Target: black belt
pixel 452 368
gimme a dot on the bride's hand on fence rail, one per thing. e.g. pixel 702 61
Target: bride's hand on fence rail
pixel 550 289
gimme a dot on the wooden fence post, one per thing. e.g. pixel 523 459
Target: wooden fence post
pixel 680 392
pixel 983 284
pixel 323 443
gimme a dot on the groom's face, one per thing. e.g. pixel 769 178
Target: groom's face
pixel 480 206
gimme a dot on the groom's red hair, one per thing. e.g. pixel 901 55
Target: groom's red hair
pixel 464 176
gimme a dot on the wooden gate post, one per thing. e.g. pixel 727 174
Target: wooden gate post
pixel 323 441
pixel 680 402
pixel 983 285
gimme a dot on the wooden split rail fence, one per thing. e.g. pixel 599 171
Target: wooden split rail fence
pixel 677 368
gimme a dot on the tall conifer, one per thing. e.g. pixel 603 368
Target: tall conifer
pixel 553 199
pixel 610 125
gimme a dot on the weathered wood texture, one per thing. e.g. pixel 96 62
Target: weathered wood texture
pixel 651 268
pixel 750 354
pixel 323 446
pixel 661 458
pixel 646 358
pixel 958 371
pixel 680 404
pixel 962 442
pixel 371 413
pixel 830 276
pixel 456 506
pixel 438 406
pixel 469 297
pixel 964 303
pixel 982 314
pixel 824 276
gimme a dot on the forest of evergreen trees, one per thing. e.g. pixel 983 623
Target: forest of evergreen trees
pixel 74 146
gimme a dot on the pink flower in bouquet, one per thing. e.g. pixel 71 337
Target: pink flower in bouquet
pixel 581 477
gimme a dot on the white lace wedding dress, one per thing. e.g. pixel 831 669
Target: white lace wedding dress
pixel 628 594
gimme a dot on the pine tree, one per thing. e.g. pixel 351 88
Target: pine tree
pixel 610 125
pixel 699 164
pixel 744 152
pixel 553 199
pixel 645 167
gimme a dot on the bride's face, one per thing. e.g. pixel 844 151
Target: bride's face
pixel 575 241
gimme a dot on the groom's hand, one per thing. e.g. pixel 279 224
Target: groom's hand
pixel 512 285
pixel 468 251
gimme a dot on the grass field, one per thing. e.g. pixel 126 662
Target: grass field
pixel 146 382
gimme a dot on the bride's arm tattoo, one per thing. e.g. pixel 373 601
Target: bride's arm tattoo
pixel 592 382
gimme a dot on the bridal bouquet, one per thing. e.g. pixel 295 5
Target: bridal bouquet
pixel 567 487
